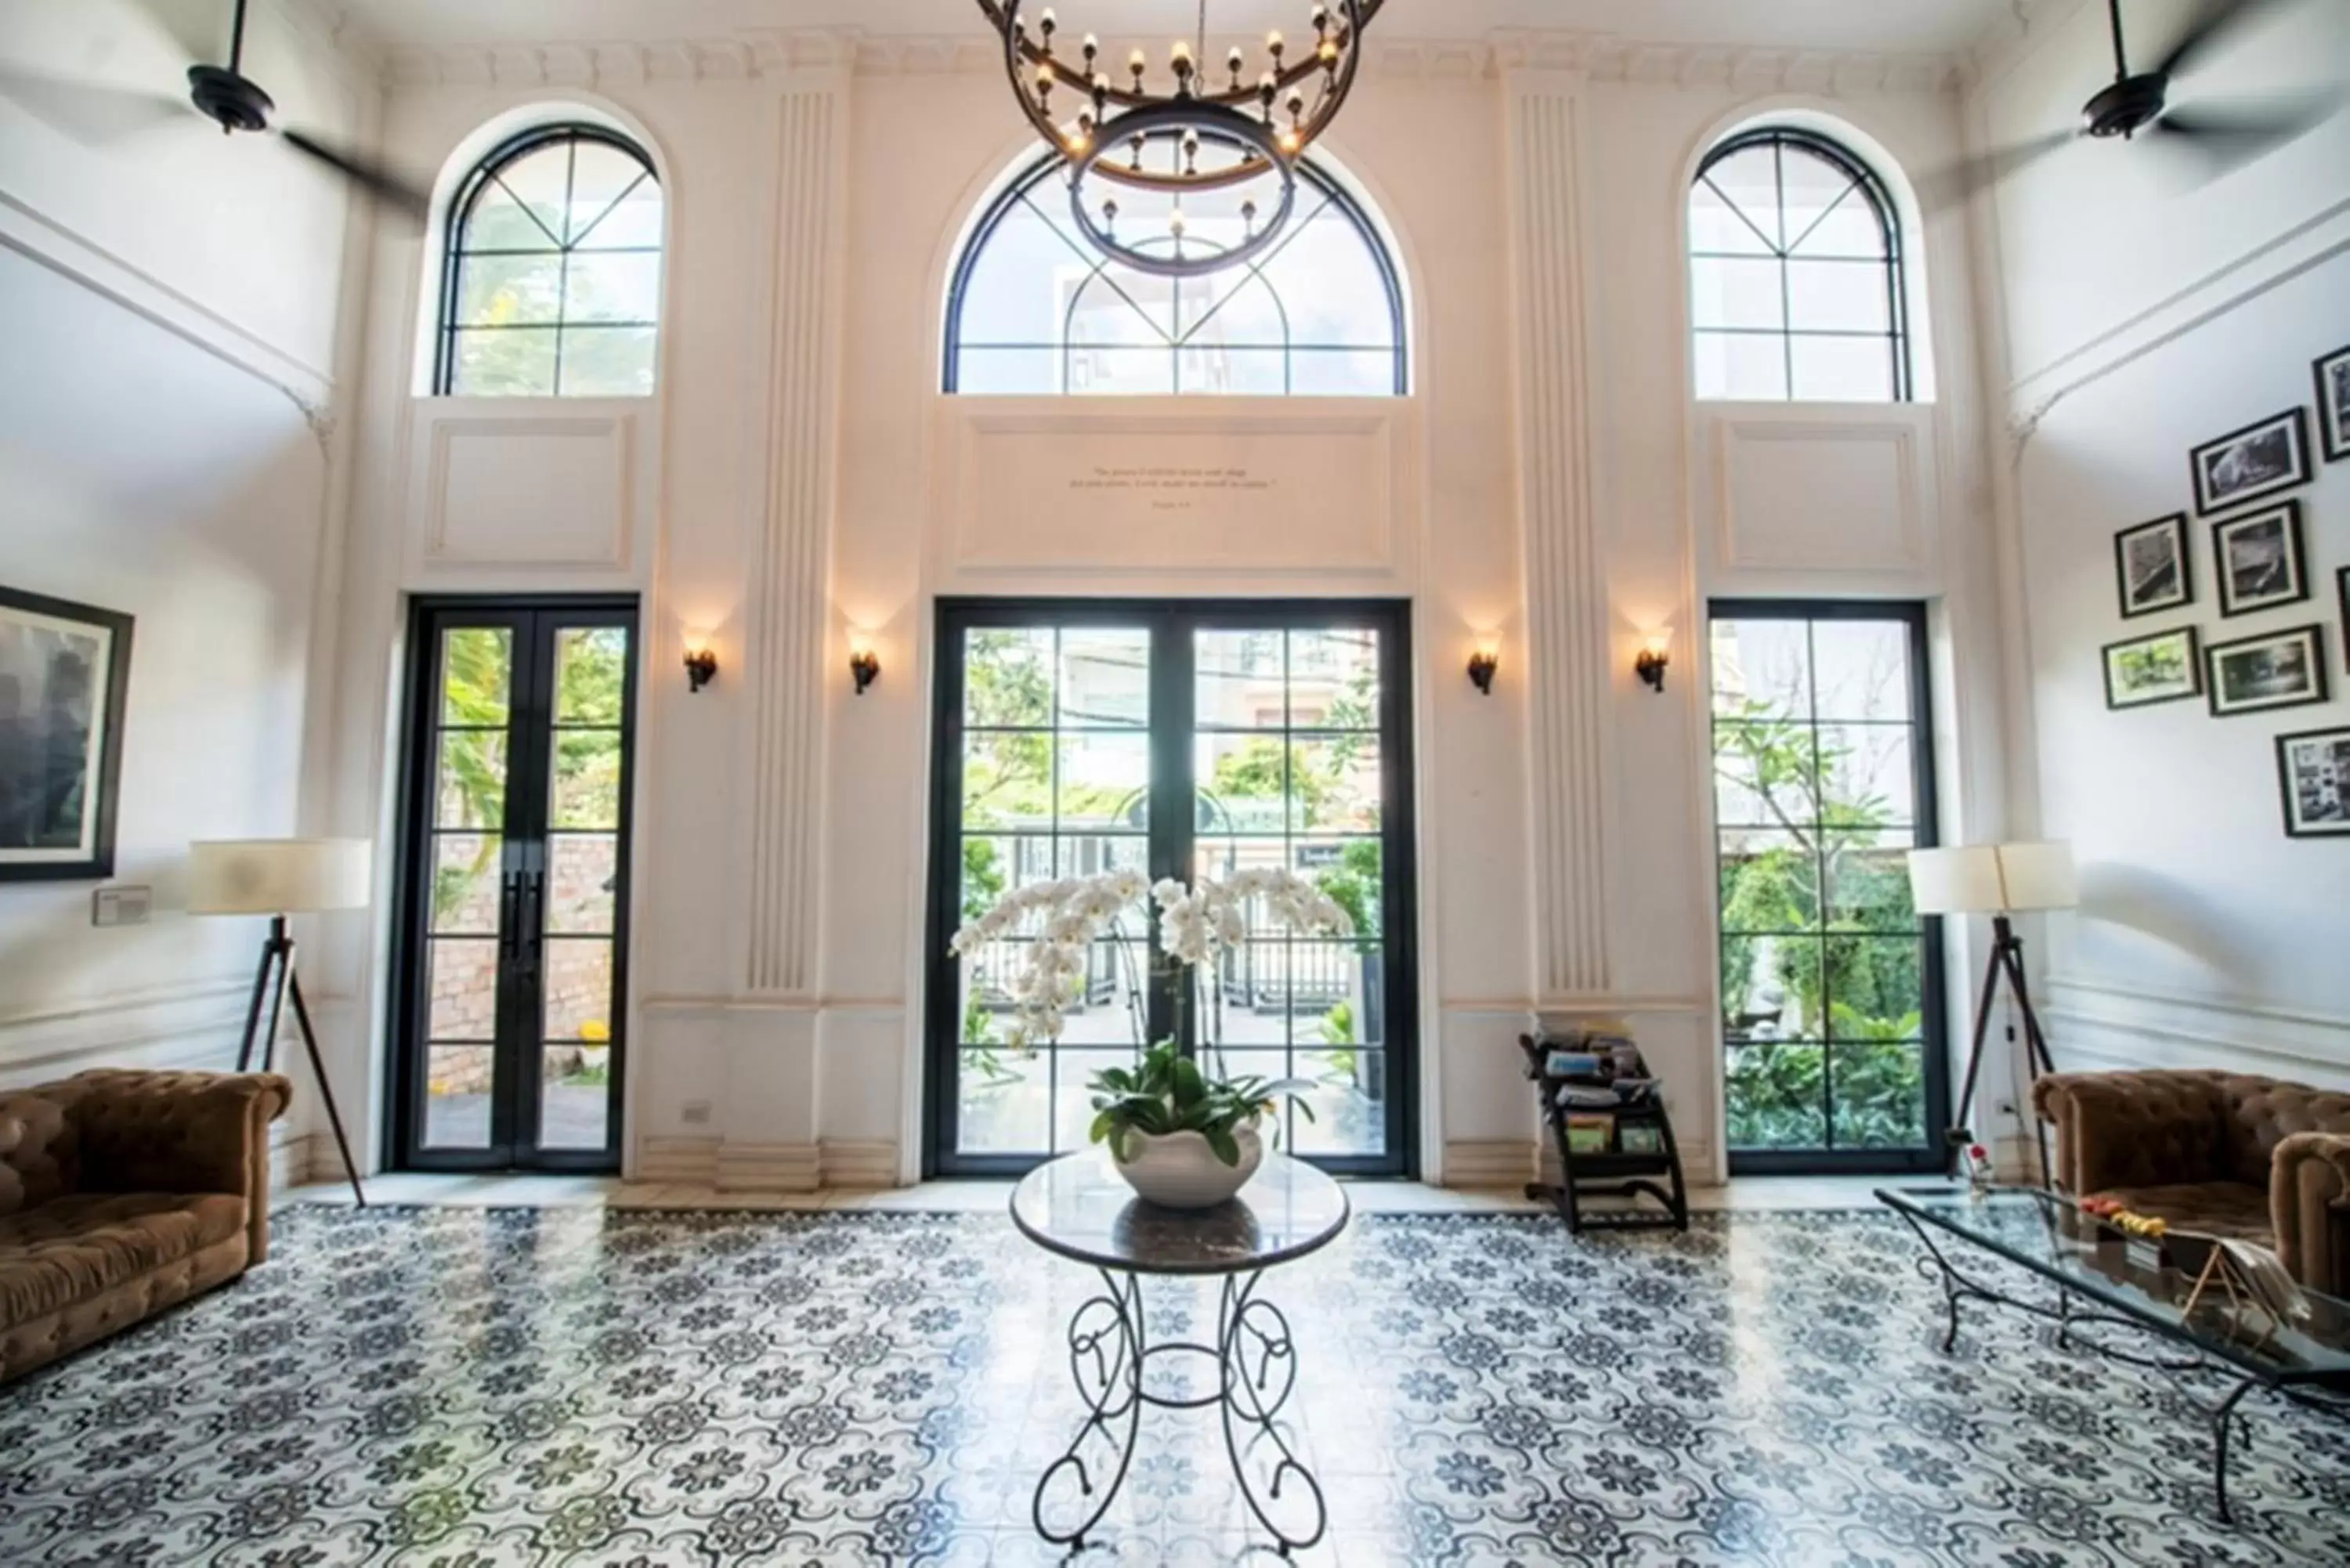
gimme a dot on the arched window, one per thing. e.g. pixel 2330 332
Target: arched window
pixel 552 287
pixel 1034 309
pixel 1796 290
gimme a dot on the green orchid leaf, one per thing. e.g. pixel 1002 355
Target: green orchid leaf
pixel 1227 1148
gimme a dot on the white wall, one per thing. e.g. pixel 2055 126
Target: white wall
pixel 801 478
pixel 2145 314
pixel 171 302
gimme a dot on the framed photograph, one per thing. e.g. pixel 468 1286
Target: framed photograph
pixel 2314 772
pixel 2257 559
pixel 2150 562
pixel 2334 404
pixel 2144 671
pixel 64 673
pixel 2274 670
pixel 2252 462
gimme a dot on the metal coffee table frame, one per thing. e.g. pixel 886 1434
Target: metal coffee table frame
pixel 2313 1387
pixel 1255 1357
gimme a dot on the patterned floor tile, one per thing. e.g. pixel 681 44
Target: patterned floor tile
pixel 474 1387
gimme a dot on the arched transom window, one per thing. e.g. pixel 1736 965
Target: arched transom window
pixel 1034 309
pixel 552 287
pixel 1795 283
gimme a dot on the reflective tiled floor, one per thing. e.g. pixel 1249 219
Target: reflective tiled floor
pixel 468 1386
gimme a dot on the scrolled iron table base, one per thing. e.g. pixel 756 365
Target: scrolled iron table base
pixel 1111 1357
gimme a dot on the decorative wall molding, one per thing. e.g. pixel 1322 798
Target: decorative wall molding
pixel 868 1163
pixel 2306 246
pixel 195 1025
pixel 732 1165
pixel 768 1166
pixel 682 1161
pixel 573 507
pixel 790 591
pixel 1774 471
pixel 1055 486
pixel 1566 608
pixel 753 53
pixel 42 239
pixel 1490 1162
pixel 2120 1025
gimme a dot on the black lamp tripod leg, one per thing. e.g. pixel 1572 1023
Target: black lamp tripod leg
pixel 1963 1126
pixel 2037 1059
pixel 326 1089
pixel 253 1008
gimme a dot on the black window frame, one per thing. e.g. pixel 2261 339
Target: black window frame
pixel 1171 738
pixel 454 251
pixel 1018 191
pixel 1879 196
pixel 1932 1154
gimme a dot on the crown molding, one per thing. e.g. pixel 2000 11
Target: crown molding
pixel 1598 57
pixel 2016 35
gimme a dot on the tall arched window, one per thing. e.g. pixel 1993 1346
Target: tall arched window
pixel 1034 309
pixel 1796 290
pixel 552 285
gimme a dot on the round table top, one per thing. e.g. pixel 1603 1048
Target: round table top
pixel 1079 1207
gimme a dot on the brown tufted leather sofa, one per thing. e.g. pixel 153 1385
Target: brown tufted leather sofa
pixel 2224 1153
pixel 123 1193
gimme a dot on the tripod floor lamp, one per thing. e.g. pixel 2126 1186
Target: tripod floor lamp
pixel 2000 880
pixel 278 877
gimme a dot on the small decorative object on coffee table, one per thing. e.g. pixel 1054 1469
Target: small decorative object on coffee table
pixel 1079 1208
pixel 1607 1122
pixel 2266 1333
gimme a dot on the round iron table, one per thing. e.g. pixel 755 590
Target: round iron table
pixel 1079 1208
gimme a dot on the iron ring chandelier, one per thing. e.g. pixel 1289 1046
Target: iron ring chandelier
pixel 1152 140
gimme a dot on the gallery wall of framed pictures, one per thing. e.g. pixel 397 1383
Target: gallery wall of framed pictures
pixel 2262 550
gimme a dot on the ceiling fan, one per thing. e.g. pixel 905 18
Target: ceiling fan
pixel 95 111
pixel 2137 102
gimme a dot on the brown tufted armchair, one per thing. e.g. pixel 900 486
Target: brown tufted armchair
pixel 2224 1153
pixel 123 1193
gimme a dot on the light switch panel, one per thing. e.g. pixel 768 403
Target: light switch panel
pixel 122 906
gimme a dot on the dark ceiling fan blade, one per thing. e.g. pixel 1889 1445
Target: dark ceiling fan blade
pixel 393 191
pixel 93 113
pixel 2214 20
pixel 1955 183
pixel 2230 134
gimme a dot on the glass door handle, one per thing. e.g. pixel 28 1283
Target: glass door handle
pixel 532 912
pixel 509 916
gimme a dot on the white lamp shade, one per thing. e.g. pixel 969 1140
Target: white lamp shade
pixel 279 875
pixel 1955 881
pixel 2039 875
pixel 1994 879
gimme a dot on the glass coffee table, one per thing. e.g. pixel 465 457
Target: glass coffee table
pixel 2303 1355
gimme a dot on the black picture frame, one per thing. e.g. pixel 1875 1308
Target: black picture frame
pixel 2156 596
pixel 2331 373
pixel 2342 592
pixel 26 738
pixel 2292 426
pixel 2333 796
pixel 2193 686
pixel 2312 687
pixel 2288 571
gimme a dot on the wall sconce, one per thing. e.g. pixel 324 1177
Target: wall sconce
pixel 1482 665
pixel 1656 654
pixel 700 667
pixel 864 666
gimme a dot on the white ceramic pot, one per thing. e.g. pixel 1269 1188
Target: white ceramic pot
pixel 1179 1170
